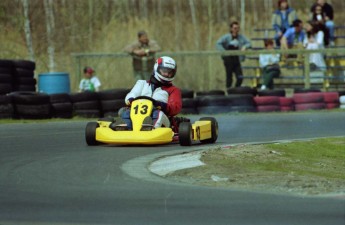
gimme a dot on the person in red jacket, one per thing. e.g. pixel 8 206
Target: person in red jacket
pixel 168 100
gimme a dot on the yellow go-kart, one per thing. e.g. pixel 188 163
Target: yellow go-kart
pixel 205 130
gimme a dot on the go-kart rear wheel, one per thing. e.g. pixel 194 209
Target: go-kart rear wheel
pixel 214 130
pixel 185 134
pixel 90 133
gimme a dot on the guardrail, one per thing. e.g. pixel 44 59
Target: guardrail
pixel 329 52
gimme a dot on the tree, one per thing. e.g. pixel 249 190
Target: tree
pixel 48 8
pixel 27 30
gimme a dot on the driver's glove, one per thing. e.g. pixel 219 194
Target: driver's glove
pixel 160 105
pixel 129 101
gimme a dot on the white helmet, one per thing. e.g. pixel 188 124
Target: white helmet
pixel 167 66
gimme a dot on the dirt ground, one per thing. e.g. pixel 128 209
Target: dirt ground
pixel 238 176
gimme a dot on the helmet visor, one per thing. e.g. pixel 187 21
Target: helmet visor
pixel 166 72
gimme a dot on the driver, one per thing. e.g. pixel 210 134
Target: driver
pixel 168 100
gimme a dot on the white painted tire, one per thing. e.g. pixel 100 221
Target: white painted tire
pixel 342 100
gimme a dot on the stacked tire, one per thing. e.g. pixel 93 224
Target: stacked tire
pixel 189 103
pixel 331 100
pixel 86 104
pixel 286 104
pixel 61 105
pixel 23 75
pixel 6 75
pixel 30 105
pixel 112 100
pixel 308 101
pixel 6 107
pixel 342 102
pixel 267 103
pixel 226 104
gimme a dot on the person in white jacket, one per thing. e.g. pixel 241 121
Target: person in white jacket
pixel 168 100
pixel 270 66
pixel 315 40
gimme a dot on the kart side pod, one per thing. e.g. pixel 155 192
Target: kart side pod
pixel 205 130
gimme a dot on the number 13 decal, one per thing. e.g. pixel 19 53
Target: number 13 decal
pixel 142 110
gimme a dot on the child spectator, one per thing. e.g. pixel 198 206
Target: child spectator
pixel 89 82
pixel 270 66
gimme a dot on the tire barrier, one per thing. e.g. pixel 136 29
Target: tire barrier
pixel 30 105
pixel 286 104
pixel 23 75
pixel 267 103
pixel 309 101
pixel 33 105
pixel 242 90
pixel 112 101
pixel 61 105
pixel 331 99
pixel 6 71
pixel 280 93
pixel 187 93
pixel 86 104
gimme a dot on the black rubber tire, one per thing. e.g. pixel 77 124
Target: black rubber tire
pixel 5 78
pixel 29 98
pixel 242 90
pixel 276 92
pixel 60 98
pixel 113 94
pixel 42 111
pixel 84 96
pixel 23 87
pixel 5 88
pixel 186 93
pixel 214 130
pixel 185 134
pixel 25 64
pixel 86 105
pixel 90 133
pixel 21 72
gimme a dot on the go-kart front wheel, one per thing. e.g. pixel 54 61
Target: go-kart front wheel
pixel 90 133
pixel 214 130
pixel 185 134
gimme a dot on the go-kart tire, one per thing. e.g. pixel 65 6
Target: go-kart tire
pixel 185 134
pixel 90 133
pixel 214 130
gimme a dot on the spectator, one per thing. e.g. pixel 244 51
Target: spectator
pixel 143 51
pixel 293 36
pixel 233 41
pixel 327 16
pixel 90 82
pixel 270 66
pixel 168 100
pixel 282 19
pixel 315 40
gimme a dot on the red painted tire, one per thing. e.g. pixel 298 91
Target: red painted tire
pixel 267 100
pixel 331 97
pixel 286 101
pixel 310 106
pixel 332 105
pixel 287 108
pixel 268 108
pixel 311 97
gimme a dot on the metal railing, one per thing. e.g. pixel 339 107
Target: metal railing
pixel 329 52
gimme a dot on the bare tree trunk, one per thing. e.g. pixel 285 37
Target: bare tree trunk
pixel 234 8
pixel 195 25
pixel 177 9
pixel 27 30
pixel 160 8
pixel 219 11
pixel 143 9
pixel 255 12
pixel 50 34
pixel 225 10
pixel 91 18
pixel 72 23
pixel 209 43
pixel 243 14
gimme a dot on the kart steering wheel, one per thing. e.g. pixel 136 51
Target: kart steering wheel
pixel 145 97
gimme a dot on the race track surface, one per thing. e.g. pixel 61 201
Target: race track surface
pixel 48 175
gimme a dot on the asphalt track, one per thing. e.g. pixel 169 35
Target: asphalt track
pixel 49 176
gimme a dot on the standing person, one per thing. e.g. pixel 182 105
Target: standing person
pixel 327 16
pixel 168 100
pixel 233 41
pixel 143 54
pixel 270 66
pixel 90 82
pixel 282 19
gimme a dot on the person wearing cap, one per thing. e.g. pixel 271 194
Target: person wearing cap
pixel 143 54
pixel 90 82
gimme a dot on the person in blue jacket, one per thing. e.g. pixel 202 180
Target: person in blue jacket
pixel 282 19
